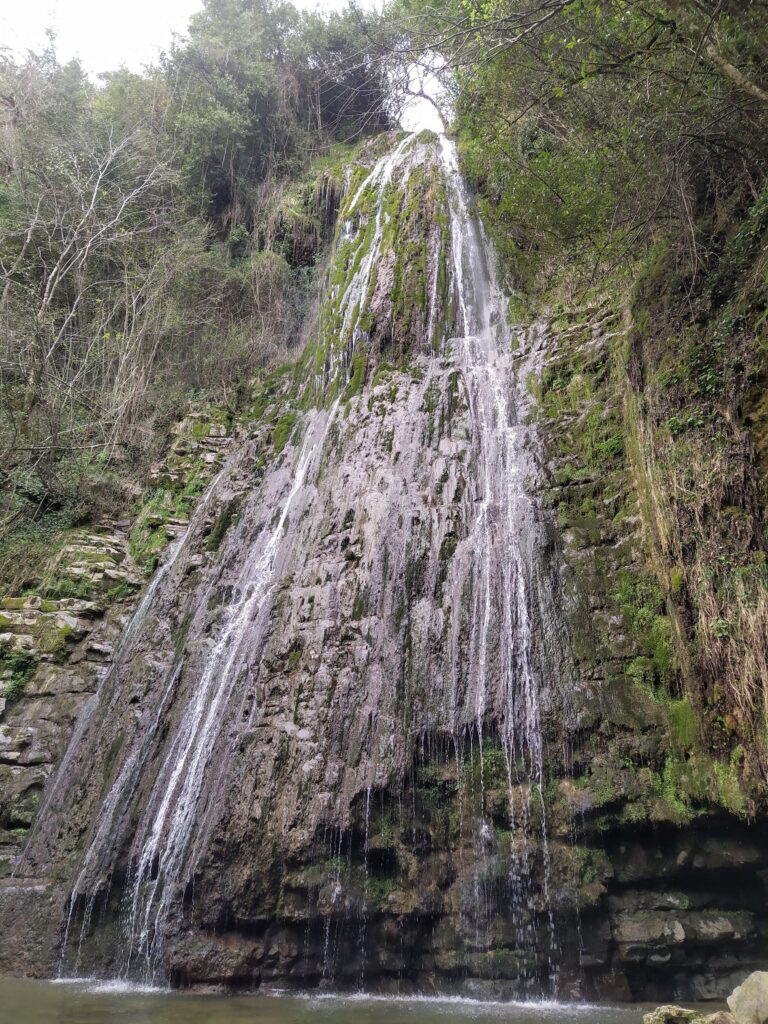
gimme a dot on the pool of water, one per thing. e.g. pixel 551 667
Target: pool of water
pixel 91 1002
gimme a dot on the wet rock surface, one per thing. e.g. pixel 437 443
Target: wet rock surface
pixel 56 651
pixel 680 1015
pixel 310 759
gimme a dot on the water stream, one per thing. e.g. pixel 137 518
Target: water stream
pixel 158 814
pixel 166 832
pixel 502 639
pixel 171 831
pixel 57 790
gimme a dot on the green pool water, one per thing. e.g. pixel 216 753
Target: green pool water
pixel 85 1002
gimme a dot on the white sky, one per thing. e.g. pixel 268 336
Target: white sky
pixel 106 33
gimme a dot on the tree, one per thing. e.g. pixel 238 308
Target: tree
pixel 157 236
pixel 592 124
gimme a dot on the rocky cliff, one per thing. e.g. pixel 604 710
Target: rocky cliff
pixel 390 712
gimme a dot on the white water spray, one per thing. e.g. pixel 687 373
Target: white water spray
pixel 502 638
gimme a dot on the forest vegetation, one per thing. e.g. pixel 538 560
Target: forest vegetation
pixel 157 242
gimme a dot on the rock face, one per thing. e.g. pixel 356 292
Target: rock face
pixel 56 646
pixel 53 653
pixel 357 732
pixel 749 1002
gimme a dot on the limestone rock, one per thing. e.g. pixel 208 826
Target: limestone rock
pixel 672 1015
pixel 749 1001
pixel 721 1017
pixel 648 927
pixel 349 826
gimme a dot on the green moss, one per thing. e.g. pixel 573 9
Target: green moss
pixel 687 784
pixel 111 757
pixel 360 606
pixel 728 786
pixel 602 785
pixel 448 547
pixel 60 588
pixel 493 764
pixel 378 889
pixel 149 535
pixel 641 600
pixel 294 655
pixel 55 640
pixel 121 591
pixel 283 430
pixel 221 525
pixel 581 870
pixel 147 540
pixel 359 366
pixel 684 723
pixel 22 665
pixel 382 372
pixel 181 635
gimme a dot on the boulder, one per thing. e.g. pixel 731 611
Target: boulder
pixel 672 1015
pixel 749 1001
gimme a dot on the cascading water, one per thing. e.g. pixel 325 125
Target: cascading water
pixel 137 619
pixel 495 687
pixel 172 830
pixel 375 596
pixel 165 834
pixel 351 303
pixel 501 611
pixel 163 847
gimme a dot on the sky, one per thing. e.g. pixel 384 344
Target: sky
pixel 104 33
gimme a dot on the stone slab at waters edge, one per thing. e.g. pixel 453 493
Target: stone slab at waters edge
pixel 680 1015
pixel 748 1004
pixel 672 1015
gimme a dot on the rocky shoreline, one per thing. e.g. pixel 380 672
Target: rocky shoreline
pixel 747 1004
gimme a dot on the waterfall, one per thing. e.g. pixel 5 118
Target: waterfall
pixel 172 830
pixel 56 790
pixel 200 733
pixel 162 851
pixel 502 599
pixel 352 300
pixel 166 831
